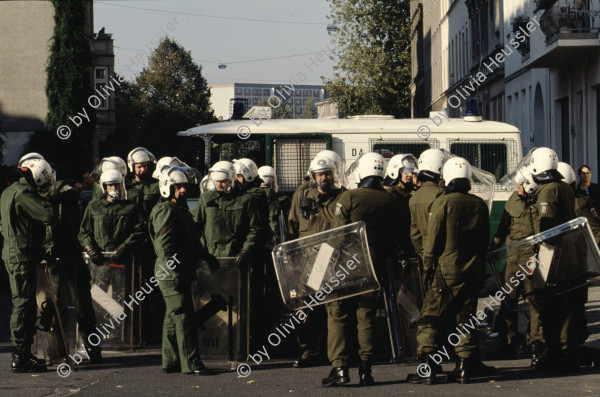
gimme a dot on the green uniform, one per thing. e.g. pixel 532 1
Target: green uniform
pixel 173 233
pixel 516 224
pixel 144 193
pixel 456 247
pixel 227 223
pixel 584 206
pixel 61 242
pixel 556 205
pixel 379 210
pixel 403 197
pixel 24 214
pixel 97 191
pixel 311 335
pixel 420 207
pixel 111 224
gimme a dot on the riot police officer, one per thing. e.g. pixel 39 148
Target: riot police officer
pixel 370 203
pixel 24 216
pixel 108 163
pixel 141 188
pixel 430 169
pixel 453 258
pixel 311 212
pixel 175 237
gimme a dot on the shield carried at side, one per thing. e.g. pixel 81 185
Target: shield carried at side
pixel 327 266
pixel 111 287
pixel 218 302
pixel 53 321
pixel 556 261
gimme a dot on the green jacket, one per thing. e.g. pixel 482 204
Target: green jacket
pixel 380 212
pixel 61 237
pixel 111 224
pixel 268 211
pixel 517 220
pixel 227 223
pixel 403 197
pixel 97 191
pixel 173 232
pixel 420 208
pixel 556 205
pixel 458 236
pixel 298 226
pixel 24 214
pixel 144 193
pixel 584 206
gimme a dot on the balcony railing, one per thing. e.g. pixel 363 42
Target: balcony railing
pixel 571 19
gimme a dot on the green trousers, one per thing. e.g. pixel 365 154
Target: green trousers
pixel 79 288
pixel 341 317
pixel 312 332
pixel 22 278
pixel 180 336
pixel 447 302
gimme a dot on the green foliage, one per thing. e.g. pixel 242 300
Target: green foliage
pixel 309 109
pixel 282 111
pixel 68 88
pixel 372 75
pixel 169 95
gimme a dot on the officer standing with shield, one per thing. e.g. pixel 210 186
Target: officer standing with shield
pixel 370 203
pixel 453 262
pixel 24 216
pixel 311 212
pixel 174 235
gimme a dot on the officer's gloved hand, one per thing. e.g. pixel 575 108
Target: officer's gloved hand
pixel 119 253
pixel 213 262
pixel 241 259
pixel 95 254
pixel 428 278
pixel 182 284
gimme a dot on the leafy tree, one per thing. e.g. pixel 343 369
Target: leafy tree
pixel 68 88
pixel 282 111
pixel 372 74
pixel 171 94
pixel 309 109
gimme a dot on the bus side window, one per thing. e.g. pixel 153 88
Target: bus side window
pixel 489 156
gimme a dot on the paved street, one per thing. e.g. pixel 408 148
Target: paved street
pixel 139 373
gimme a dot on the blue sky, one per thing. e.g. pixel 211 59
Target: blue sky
pixel 224 31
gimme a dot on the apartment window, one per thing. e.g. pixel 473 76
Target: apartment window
pixel 100 81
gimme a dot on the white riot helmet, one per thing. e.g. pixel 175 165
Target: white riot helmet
pixel 431 162
pixel 455 168
pixel 247 168
pixel 323 164
pixel 113 177
pixel 529 185
pixel 543 159
pixel 166 162
pixel 370 164
pixel 567 172
pixel 339 165
pixel 30 156
pixel 176 175
pixel 220 171
pixel 400 163
pixel 111 163
pixel 139 155
pixel 268 176
pixel 43 175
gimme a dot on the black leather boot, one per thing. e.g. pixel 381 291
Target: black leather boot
pixel 364 373
pixel 337 376
pixel 467 368
pixel 538 351
pixel 26 362
pixel 94 352
pixel 426 371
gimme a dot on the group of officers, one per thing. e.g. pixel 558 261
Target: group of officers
pixel 412 208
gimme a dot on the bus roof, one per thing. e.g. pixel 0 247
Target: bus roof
pixel 350 126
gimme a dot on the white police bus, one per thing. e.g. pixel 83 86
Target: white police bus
pixel 289 145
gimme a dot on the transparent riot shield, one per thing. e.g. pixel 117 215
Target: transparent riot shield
pixel 556 261
pixel 56 323
pixel 219 312
pixel 324 267
pixel 112 287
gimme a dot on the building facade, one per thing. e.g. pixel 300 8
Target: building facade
pixel 535 65
pixel 295 96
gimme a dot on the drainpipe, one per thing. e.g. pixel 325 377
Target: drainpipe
pixel 571 116
pixel 584 117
